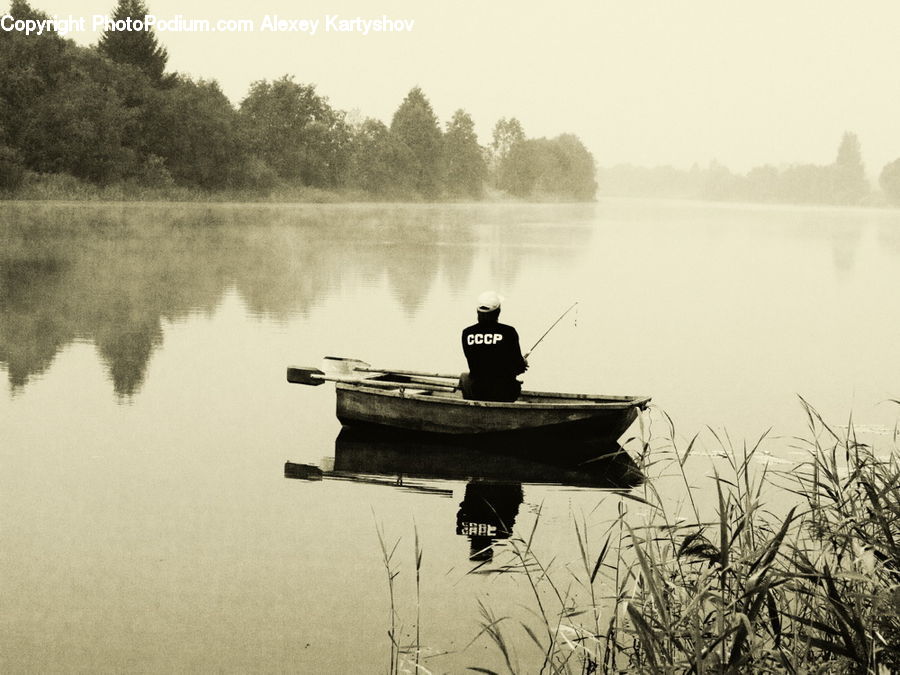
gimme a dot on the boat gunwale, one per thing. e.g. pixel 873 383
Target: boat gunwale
pixel 573 401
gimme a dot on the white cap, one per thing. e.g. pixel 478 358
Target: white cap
pixel 489 301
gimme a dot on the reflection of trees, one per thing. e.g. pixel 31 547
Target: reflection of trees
pixel 844 247
pixel 845 233
pixel 100 274
pixel 845 229
pixel 889 236
pixel 32 329
pixel 111 274
pixel 411 253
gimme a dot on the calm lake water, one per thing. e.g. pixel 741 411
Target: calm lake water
pixel 145 520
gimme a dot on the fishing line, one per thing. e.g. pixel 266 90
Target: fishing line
pixel 561 316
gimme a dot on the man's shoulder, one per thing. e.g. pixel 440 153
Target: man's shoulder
pixel 504 328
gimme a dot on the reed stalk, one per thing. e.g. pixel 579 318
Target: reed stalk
pixel 809 586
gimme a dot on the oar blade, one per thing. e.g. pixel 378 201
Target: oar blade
pixel 302 471
pixel 341 366
pixel 311 376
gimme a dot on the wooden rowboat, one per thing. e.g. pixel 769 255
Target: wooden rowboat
pixel 417 402
pixel 446 412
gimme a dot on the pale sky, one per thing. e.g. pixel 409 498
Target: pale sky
pixel 642 81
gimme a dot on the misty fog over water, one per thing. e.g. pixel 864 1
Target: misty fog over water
pixel 146 419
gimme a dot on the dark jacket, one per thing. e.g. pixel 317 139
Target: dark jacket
pixel 495 358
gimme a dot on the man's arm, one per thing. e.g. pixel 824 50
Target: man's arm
pixel 520 365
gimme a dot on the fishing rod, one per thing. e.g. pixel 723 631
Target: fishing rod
pixel 561 316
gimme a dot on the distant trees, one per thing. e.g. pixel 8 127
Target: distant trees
pixel 416 126
pixel 466 167
pixel 380 163
pixel 32 65
pixel 111 114
pixel 842 182
pixel 296 132
pixel 889 180
pixel 138 48
pixel 547 168
pixel 194 129
pixel 78 127
pixel 507 133
pixel 571 173
pixel 849 184
pixel 62 111
pixel 628 180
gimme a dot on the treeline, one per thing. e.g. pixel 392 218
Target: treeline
pixel 111 114
pixel 841 182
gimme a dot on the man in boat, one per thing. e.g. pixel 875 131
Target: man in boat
pixel 494 355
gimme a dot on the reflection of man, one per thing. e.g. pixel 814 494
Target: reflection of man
pixel 493 353
pixel 487 513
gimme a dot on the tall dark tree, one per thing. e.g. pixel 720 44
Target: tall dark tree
pixel 137 48
pixel 197 134
pixel 416 125
pixel 79 125
pixel 31 65
pixel 849 174
pixel 466 168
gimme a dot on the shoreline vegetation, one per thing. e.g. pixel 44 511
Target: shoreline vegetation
pixel 66 188
pixel 757 583
pixel 109 123
pixel 841 183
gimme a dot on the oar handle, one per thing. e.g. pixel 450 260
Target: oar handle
pixel 381 384
pixel 314 377
pixel 392 371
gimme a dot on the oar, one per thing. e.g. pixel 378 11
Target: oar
pixel 407 373
pixel 343 365
pixel 311 472
pixel 314 377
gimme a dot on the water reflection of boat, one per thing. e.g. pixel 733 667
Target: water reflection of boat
pixel 573 462
pixel 493 492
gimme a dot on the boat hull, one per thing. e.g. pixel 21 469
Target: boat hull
pixel 603 418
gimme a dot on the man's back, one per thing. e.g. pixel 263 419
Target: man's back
pixel 492 350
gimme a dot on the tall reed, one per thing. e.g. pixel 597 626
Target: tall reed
pixel 392 571
pixel 812 587
pixel 403 657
